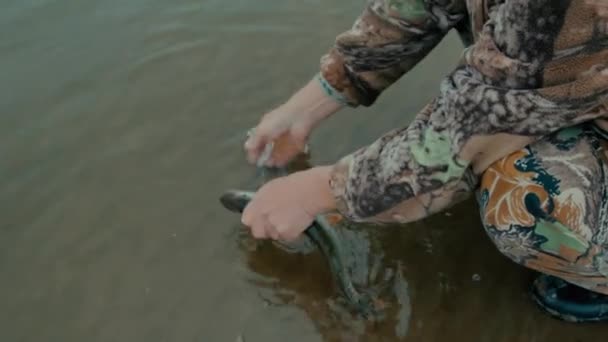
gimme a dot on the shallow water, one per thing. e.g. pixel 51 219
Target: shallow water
pixel 122 122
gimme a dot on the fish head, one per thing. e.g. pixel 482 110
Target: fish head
pixel 236 200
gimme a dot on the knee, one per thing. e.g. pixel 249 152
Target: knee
pixel 510 205
pixel 527 224
pixel 510 198
pixel 542 215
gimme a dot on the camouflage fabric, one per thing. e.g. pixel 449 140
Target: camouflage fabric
pixel 501 124
pixel 545 205
pixel 534 67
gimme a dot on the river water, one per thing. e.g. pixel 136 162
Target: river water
pixel 121 124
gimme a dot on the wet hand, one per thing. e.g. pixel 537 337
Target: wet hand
pixel 290 125
pixel 289 130
pixel 283 208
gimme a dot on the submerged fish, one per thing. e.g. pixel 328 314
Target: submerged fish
pixel 323 235
pixel 321 232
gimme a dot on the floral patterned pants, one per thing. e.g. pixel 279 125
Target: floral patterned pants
pixel 545 206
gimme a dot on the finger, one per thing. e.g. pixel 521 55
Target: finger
pixel 291 224
pixel 261 228
pixel 272 232
pixel 285 232
pixel 258 231
pixel 250 213
pixel 288 234
pixel 272 229
pixel 247 217
pixel 254 146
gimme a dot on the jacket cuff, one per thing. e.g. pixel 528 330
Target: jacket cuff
pixel 338 183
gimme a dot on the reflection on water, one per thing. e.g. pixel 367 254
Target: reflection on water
pixel 122 122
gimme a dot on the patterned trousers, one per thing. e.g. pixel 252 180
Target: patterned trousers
pixel 545 206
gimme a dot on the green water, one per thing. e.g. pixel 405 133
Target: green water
pixel 122 122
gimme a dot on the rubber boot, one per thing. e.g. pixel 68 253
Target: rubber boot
pixel 569 302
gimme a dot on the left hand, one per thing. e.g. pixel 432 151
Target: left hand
pixel 283 208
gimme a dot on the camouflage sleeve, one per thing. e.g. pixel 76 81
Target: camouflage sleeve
pixel 387 40
pixel 536 67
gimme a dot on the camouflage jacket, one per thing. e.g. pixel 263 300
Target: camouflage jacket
pixel 530 68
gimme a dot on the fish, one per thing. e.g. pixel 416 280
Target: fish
pixel 321 232
pixel 323 235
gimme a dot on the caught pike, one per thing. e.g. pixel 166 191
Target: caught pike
pixel 321 233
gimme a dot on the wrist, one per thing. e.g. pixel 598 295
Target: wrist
pixel 330 92
pixel 326 200
pixel 312 104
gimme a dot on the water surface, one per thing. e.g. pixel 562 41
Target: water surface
pixel 121 123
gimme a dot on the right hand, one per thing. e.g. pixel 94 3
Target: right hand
pixel 287 129
pixel 290 125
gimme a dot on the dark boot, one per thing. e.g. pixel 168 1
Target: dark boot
pixel 569 302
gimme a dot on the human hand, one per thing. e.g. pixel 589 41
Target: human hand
pixel 283 208
pixel 290 125
pixel 286 130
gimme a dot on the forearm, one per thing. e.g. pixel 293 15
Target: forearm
pixel 509 92
pixel 313 103
pixel 406 175
pixel 387 40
